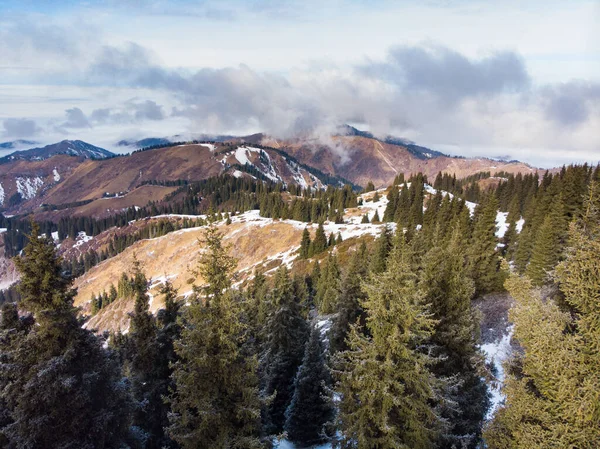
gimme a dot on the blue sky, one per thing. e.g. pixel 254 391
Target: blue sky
pixel 513 78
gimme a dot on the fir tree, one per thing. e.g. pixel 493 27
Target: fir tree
pixel 311 408
pixel 319 244
pixel 383 245
pixel 286 336
pixel 148 359
pixel 349 308
pixel 448 289
pixel 484 261
pixel 376 218
pixel 328 287
pixel 215 403
pixel 384 382
pixel 65 389
pixel 552 388
pixel 547 246
pixel 305 244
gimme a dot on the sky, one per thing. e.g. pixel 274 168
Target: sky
pixel 511 79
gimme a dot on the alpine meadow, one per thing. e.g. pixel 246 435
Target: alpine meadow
pixel 299 225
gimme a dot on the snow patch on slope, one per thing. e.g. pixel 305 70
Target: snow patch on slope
pixel 496 353
pixel 27 187
pixel 56 175
pixel 82 238
pixel 1 194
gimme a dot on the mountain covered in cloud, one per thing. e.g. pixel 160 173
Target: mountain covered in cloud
pixel 17 144
pixel 77 148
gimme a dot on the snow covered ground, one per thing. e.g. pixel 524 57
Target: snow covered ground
pixel 496 353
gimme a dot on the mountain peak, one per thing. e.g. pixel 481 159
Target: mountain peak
pixel 77 148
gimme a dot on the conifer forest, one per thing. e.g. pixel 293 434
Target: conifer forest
pixel 363 341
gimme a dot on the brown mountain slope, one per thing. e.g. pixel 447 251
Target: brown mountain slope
pixel 85 180
pixel 362 159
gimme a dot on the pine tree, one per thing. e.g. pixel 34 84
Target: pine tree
pixel 552 390
pixel 376 218
pixel 319 244
pixel 349 308
pixel 65 389
pixel 215 403
pixel 311 408
pixel 383 245
pixel 328 287
pixel 287 333
pixel 548 244
pixel 384 382
pixel 305 244
pixel 484 260
pixel 448 289
pixel 365 219
pixel 147 363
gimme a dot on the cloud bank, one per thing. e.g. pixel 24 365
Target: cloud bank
pixel 472 105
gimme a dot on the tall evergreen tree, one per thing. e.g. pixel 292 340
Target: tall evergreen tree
pixel 448 289
pixel 148 359
pixel 385 385
pixel 349 308
pixel 65 388
pixel 215 403
pixel 311 407
pixel 548 245
pixel 305 244
pixel 328 287
pixel 553 387
pixel 287 333
pixel 319 244
pixel 484 260
pixel 383 245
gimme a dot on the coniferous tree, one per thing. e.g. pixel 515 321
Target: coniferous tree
pixel 484 260
pixel 311 408
pixel 305 244
pixel 215 403
pixel 448 289
pixel 385 385
pixel 287 333
pixel 349 308
pixel 383 245
pixel 328 287
pixel 319 244
pixel 65 388
pixel 548 244
pixel 552 387
pixel 148 359
pixel 376 218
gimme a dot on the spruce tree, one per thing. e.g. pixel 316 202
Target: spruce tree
pixel 148 359
pixel 319 244
pixel 383 245
pixel 547 246
pixel 448 289
pixel 215 403
pixel 287 333
pixel 376 218
pixel 552 388
pixel 66 389
pixel 385 385
pixel 349 308
pixel 311 407
pixel 328 287
pixel 305 244
pixel 484 260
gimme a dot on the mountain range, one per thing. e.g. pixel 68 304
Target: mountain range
pixel 71 172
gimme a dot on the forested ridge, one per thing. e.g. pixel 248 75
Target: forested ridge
pixel 380 351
